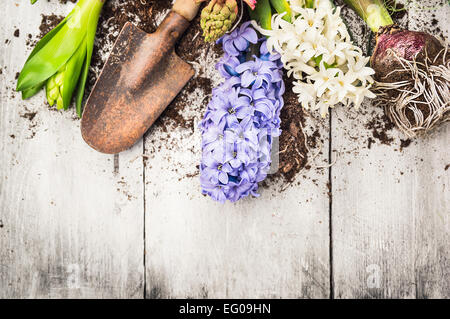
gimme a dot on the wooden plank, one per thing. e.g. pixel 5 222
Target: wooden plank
pixel 432 205
pixel 71 222
pixel 274 246
pixel 390 208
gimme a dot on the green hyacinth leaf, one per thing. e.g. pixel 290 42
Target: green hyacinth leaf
pixel 47 38
pixel 72 74
pixel 56 52
pixel 61 59
pixel 263 11
pixel 29 92
pixel 90 38
pixel 282 6
pixel 37 48
pixel 80 88
pixel 26 94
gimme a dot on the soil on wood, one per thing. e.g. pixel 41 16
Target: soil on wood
pixel 49 22
pixel 380 126
pixel 293 154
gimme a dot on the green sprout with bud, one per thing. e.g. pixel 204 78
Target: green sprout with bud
pixel 61 59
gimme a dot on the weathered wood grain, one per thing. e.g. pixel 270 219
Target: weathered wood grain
pixel 71 224
pixel 274 246
pixel 432 206
pixel 390 207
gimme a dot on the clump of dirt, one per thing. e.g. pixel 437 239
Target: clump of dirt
pixel 381 131
pixel 404 143
pixel 370 141
pixel 30 116
pixel 380 126
pixel 293 153
pixel 48 22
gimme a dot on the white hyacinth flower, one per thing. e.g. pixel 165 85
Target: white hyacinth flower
pixel 317 51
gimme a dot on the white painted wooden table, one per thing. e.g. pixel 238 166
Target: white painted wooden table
pixel 77 224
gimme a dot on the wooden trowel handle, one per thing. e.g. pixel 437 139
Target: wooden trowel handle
pixel 186 8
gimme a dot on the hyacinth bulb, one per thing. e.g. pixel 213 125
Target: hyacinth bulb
pixel 413 75
pixel 393 42
pixel 411 69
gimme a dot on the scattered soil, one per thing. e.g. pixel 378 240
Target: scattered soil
pixel 404 143
pixel 17 33
pixel 447 166
pixel 380 126
pixel 48 22
pixel 32 124
pixel 370 141
pixel 293 142
pixel 30 115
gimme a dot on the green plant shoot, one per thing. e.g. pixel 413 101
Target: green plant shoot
pixel 61 59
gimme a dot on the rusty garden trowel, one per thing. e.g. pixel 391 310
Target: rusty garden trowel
pixel 140 79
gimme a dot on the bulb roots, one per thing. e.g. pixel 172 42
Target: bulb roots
pixel 422 101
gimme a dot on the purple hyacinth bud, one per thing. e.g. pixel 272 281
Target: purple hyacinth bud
pixel 239 40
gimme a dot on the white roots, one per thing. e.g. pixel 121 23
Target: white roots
pixel 425 95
